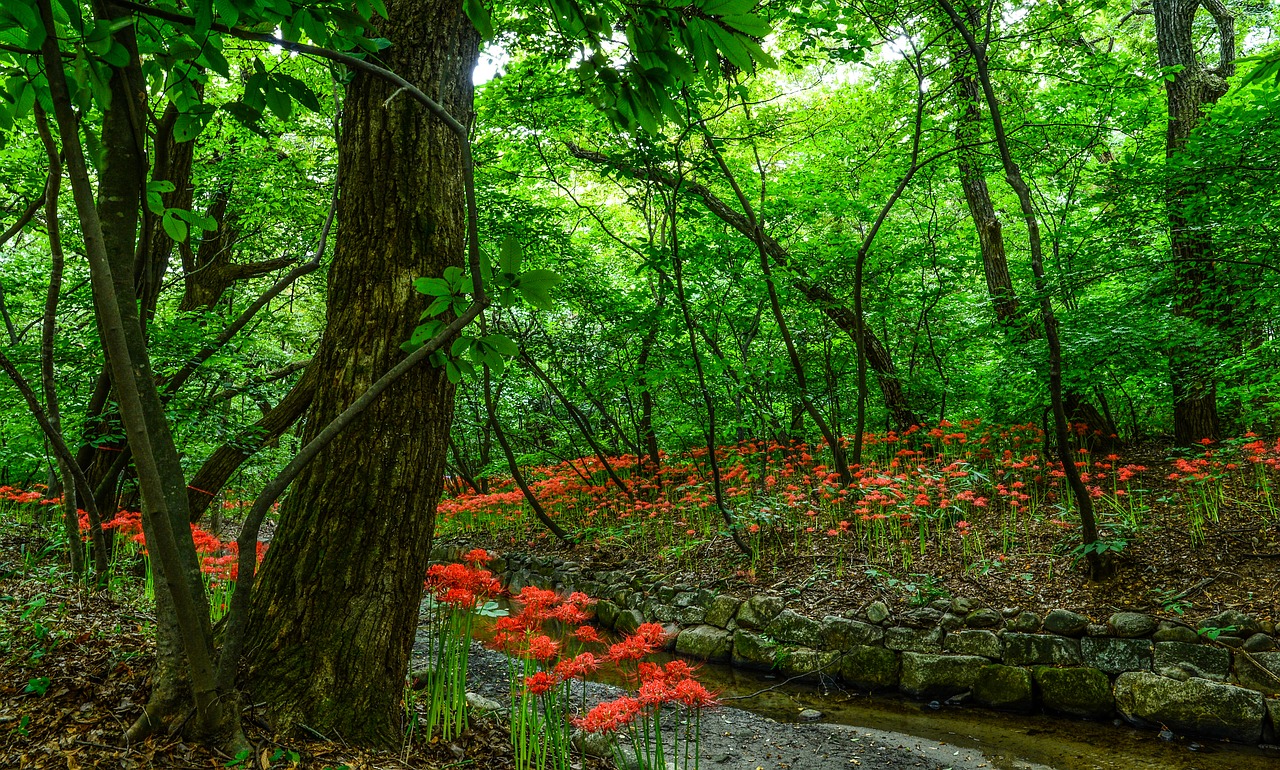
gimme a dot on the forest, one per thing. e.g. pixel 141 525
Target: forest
pixel 859 303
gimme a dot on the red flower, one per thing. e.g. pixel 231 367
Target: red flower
pixel 609 715
pixel 653 633
pixel 476 557
pixel 587 634
pixel 543 648
pixel 541 683
pixel 693 694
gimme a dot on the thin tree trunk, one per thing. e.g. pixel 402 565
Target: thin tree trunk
pixel 1100 566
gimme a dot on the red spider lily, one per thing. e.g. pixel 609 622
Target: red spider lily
pixel 634 647
pixel 577 667
pixel 541 683
pixel 543 648
pixel 476 556
pixel 610 716
pixel 653 633
pixel 692 694
pixel 587 634
pixel 653 693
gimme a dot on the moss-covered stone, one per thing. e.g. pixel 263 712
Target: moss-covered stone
pixel 974 642
pixel 870 668
pixel 705 643
pixel 799 661
pixel 938 676
pixel 914 639
pixel 1115 656
pixel 790 627
pixel 1131 625
pixel 721 609
pixel 1078 692
pixel 841 633
pixel 1202 660
pixel 1004 687
pixel 756 612
pixel 1041 649
pixel 752 650
pixel 1065 623
pixel 1194 706
pixel 1257 670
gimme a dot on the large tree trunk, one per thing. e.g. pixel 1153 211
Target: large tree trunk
pixel 332 624
pixel 1195 410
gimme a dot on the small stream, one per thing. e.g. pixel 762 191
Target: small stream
pixel 1006 741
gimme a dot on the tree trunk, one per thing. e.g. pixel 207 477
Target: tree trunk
pixel 332 624
pixel 1195 410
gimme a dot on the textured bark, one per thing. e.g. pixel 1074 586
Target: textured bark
pixel 973 180
pixel 1195 411
pixel 226 459
pixel 332 623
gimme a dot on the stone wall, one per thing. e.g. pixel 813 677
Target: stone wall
pixel 1152 672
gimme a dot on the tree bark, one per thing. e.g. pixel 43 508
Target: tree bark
pixel 332 625
pixel 1192 89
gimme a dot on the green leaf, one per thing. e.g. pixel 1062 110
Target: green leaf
pixel 749 24
pixel 503 344
pixel 479 16
pixel 510 256
pixel 175 227
pixel 432 287
pixel 539 279
pixel 279 102
pixel 451 371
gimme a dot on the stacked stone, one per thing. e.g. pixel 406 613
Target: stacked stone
pixel 1220 680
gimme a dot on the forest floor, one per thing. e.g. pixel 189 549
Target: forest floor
pixel 1162 568
pixel 74 674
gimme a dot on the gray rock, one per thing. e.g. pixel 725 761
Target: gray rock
pixel 800 661
pixel 1025 622
pixel 877 612
pixel 1065 623
pixel 1040 649
pixel 1173 672
pixel 752 650
pixel 914 639
pixel 974 642
pixel 1004 687
pixel 1116 656
pixel 963 605
pixel 721 610
pixel 629 621
pixel 790 627
pixel 1131 625
pixel 756 612
pixel 1233 620
pixel 705 643
pixel 1175 632
pixel 685 599
pixel 1235 642
pixel 1271 726
pixel 691 616
pixel 1078 692
pixel 1271 730
pixel 1257 670
pixel 1259 642
pixel 1199 660
pixel 940 605
pixel 939 676
pixel 1097 629
pixel 483 705
pixel 984 618
pixel 607 613
pixel 663 613
pixel 810 715
pixel 920 617
pixel 950 622
pixel 870 668
pixel 841 633
pixel 1194 706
